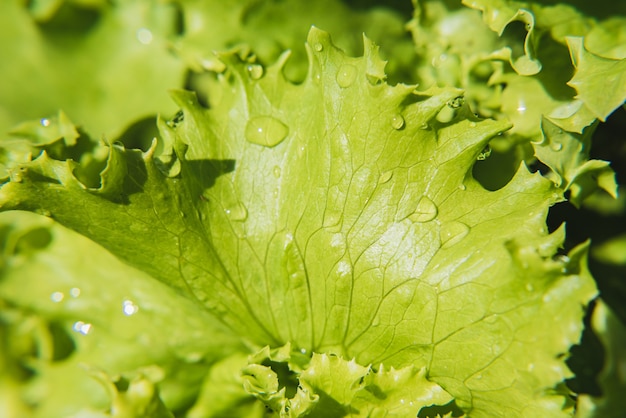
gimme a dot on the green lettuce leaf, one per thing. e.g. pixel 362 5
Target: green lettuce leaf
pixel 544 68
pixel 340 217
pixel 106 65
pixel 86 326
pixel 268 28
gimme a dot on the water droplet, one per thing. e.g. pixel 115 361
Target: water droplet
pixel 276 171
pixel 425 211
pixel 74 292
pixel 129 307
pixel 397 121
pixel 237 213
pixel 491 319
pixel 255 71
pixel 546 298
pixel 144 36
pixel 318 47
pixel 332 218
pixel 424 126
pixel 82 327
pixel 472 124
pixel 266 131
pixel 45 122
pixel 530 287
pixel 531 367
pixel 385 177
pixel 462 187
pixel 452 233
pixel 556 146
pixel 57 296
pixel 346 75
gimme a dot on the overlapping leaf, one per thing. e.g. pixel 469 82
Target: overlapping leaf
pixel 340 216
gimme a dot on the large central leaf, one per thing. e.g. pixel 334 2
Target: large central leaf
pixel 340 215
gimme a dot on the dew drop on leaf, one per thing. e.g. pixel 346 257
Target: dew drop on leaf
pixel 129 307
pixel 276 171
pixel 452 233
pixel 397 121
pixel 266 130
pixel 425 211
pixel 346 75
pixel 318 47
pixel 45 122
pixel 57 297
pixel 82 327
pixel 556 146
pixel 255 71
pixel 332 218
pixel 237 213
pixel 385 177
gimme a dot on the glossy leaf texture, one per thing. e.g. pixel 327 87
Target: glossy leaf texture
pixel 340 216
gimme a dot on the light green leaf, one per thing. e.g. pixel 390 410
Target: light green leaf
pixel 328 385
pixel 106 69
pixel 266 29
pixel 498 15
pixel 340 216
pixel 600 82
pixel 567 154
pixel 93 312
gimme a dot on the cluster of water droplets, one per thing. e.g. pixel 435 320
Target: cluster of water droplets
pixel 128 308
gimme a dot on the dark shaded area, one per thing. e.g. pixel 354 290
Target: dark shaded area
pixel 139 135
pixel 63 345
pixel 286 378
pixel 503 164
pixel 609 143
pixel 586 360
pixel 440 411
pixel 70 20
pixel 207 171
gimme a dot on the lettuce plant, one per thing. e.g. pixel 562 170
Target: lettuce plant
pixel 294 235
